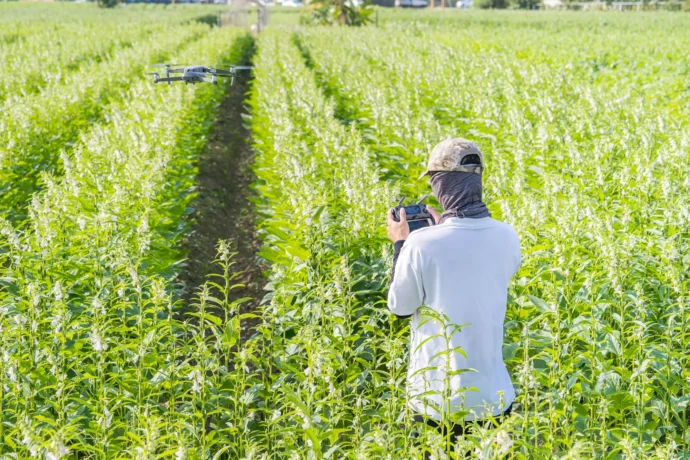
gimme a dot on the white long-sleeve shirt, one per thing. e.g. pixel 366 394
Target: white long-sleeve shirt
pixel 460 268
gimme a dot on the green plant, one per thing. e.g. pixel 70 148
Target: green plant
pixel 343 12
pixel 572 307
pixel 498 4
pixel 585 134
pixel 108 3
pixel 528 4
pixel 52 108
pixel 96 361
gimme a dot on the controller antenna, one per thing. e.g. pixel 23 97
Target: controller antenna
pixel 423 198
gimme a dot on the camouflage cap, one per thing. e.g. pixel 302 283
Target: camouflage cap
pixel 448 155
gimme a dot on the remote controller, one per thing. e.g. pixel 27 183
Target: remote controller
pixel 417 215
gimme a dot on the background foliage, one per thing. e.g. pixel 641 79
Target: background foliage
pixel 584 121
pixel 342 12
pixel 594 331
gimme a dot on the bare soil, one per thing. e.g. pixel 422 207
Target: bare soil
pixel 223 209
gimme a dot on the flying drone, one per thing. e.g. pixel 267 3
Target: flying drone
pixel 195 73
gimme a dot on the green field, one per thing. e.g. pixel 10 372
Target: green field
pixel 106 352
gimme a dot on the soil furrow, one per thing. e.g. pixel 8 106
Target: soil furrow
pixel 223 208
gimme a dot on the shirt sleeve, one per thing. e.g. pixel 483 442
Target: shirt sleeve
pixel 406 293
pixel 397 246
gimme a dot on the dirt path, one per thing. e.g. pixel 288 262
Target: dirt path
pixel 223 209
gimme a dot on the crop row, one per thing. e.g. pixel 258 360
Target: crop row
pixel 34 129
pixel 590 171
pixel 94 359
pixel 331 356
pixel 17 18
pixel 28 65
pixel 586 143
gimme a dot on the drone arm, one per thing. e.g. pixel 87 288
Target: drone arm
pixel 163 79
pixel 221 72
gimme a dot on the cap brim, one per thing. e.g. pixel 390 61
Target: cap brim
pixel 425 173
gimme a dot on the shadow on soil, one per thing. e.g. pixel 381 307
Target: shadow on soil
pixel 223 207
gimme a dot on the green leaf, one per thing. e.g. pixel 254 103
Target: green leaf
pixel 540 304
pixel 621 401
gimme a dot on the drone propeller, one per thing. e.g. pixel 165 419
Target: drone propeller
pixel 166 65
pixel 241 67
pixel 228 75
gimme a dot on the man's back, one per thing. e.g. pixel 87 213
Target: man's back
pixel 461 269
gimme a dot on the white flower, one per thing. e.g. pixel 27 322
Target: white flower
pixel 106 420
pixel 33 291
pixel 305 425
pixel 276 414
pixel 144 226
pixel 439 455
pixel 97 305
pixel 29 442
pixel 479 454
pixel 96 341
pixel 81 222
pixel 11 374
pixel 180 454
pixel 503 442
pixel 195 377
pixel 56 323
pixel 59 451
pixel 20 320
pixel 57 292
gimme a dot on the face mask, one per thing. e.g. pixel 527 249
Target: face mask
pixel 460 194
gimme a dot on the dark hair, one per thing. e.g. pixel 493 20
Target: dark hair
pixel 471 160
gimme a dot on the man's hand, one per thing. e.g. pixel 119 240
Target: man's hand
pixel 398 230
pixel 434 213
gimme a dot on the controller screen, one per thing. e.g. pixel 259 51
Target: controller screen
pixel 417 224
pixel 413 209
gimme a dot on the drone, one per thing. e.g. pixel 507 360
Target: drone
pixel 195 73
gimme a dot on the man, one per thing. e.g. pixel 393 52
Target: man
pixel 459 268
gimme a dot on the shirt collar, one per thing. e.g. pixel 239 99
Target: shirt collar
pixel 467 222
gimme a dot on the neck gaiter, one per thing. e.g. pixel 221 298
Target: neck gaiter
pixel 460 194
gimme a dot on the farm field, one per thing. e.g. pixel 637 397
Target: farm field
pixel 106 351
